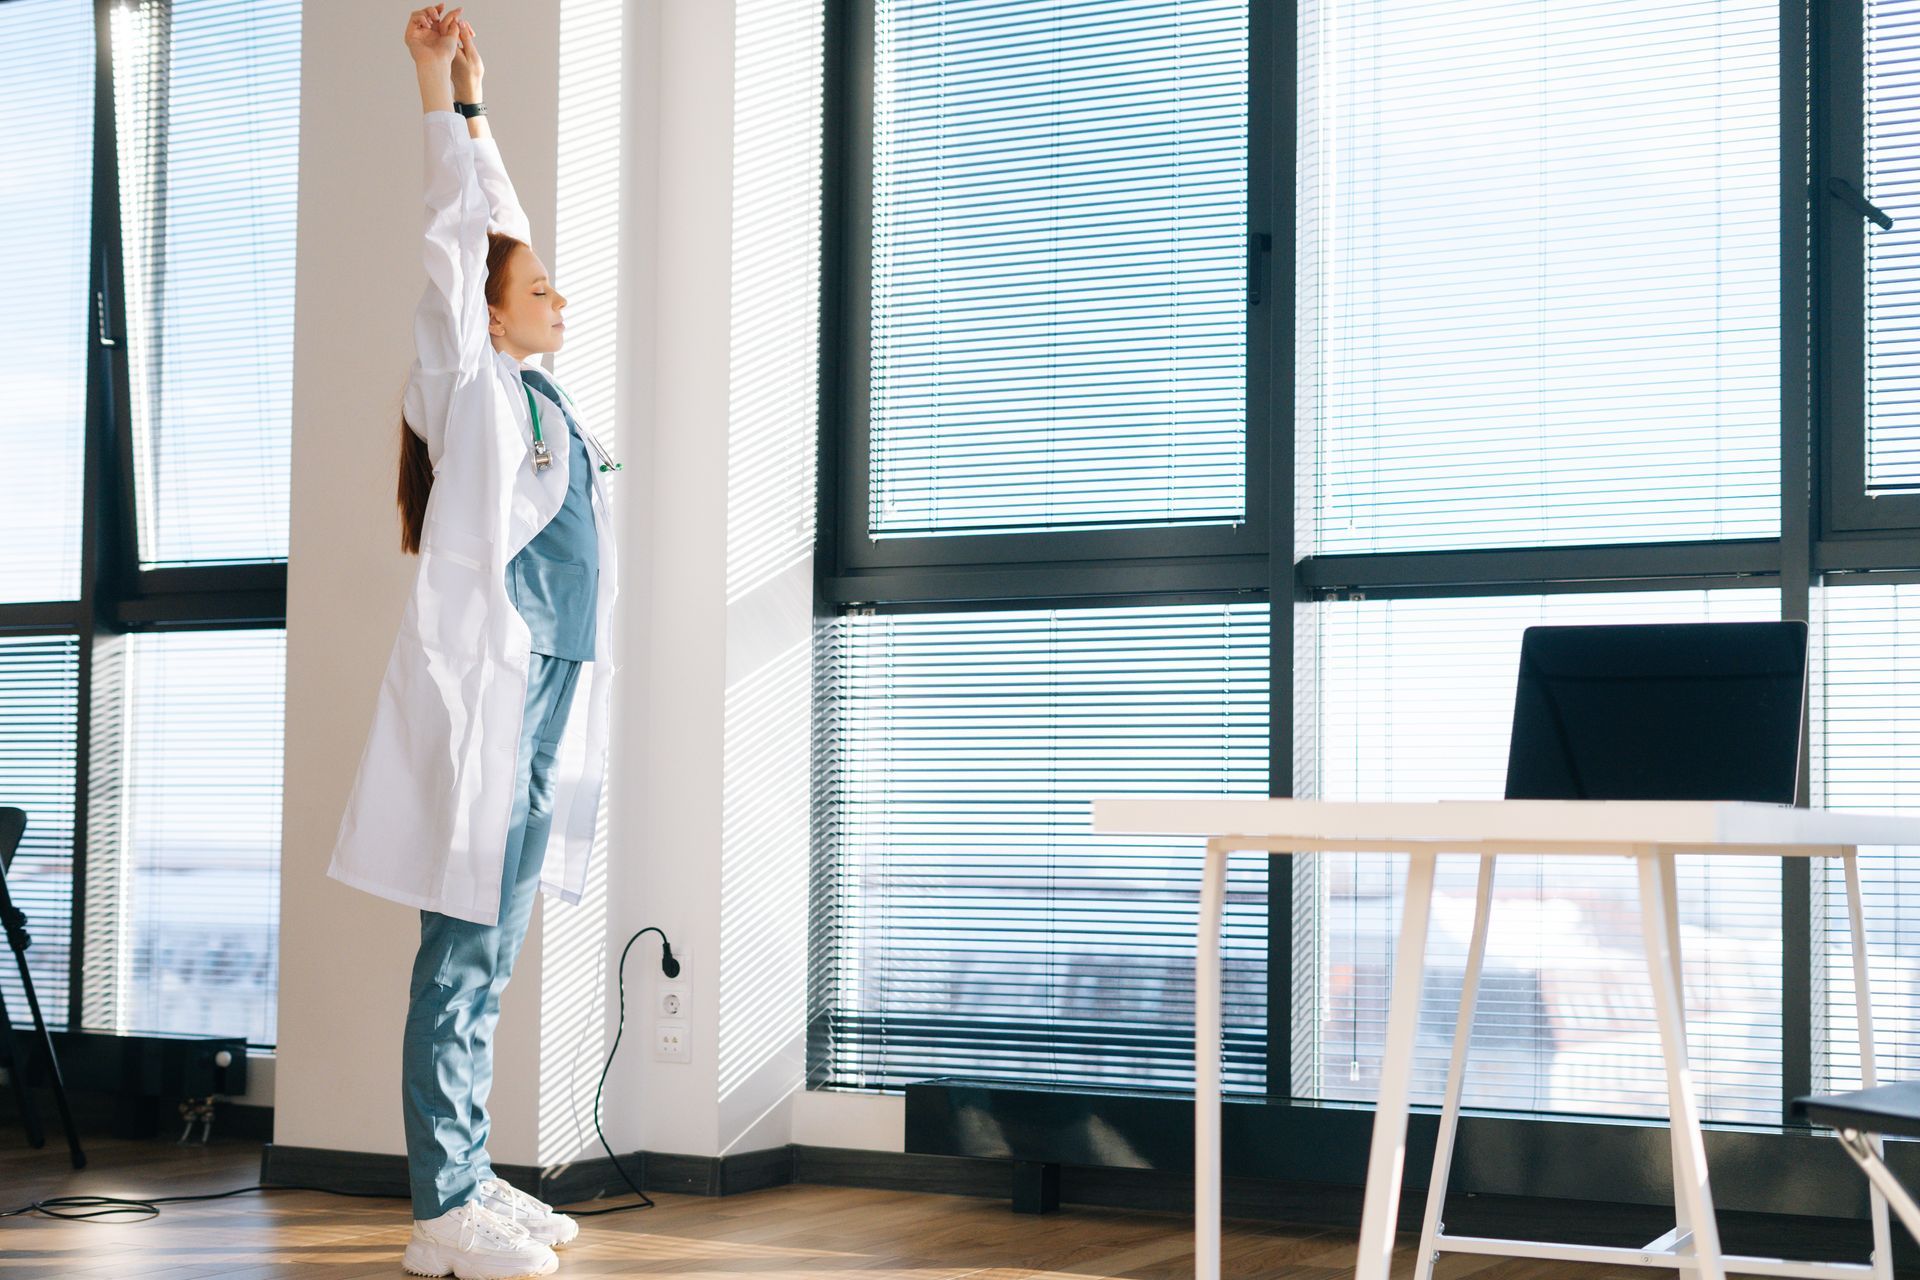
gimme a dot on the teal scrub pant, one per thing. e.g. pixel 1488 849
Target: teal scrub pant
pixel 446 1064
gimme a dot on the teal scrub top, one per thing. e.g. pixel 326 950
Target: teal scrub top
pixel 554 580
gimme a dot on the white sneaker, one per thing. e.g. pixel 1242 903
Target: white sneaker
pixel 471 1242
pixel 516 1206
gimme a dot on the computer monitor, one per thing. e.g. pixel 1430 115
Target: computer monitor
pixel 1669 711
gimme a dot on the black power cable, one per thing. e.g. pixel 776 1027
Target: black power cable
pixel 81 1208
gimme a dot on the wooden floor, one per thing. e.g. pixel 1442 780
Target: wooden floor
pixel 796 1232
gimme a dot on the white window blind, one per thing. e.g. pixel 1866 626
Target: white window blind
pixel 1866 755
pixel 39 718
pixel 1059 263
pixel 208 152
pixel 1538 284
pixel 1413 700
pixel 1893 183
pixel 968 920
pixel 183 886
pixel 46 157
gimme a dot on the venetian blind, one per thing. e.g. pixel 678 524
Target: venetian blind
pixel 1893 183
pixel 1413 700
pixel 208 157
pixel 1538 284
pixel 39 717
pixel 183 892
pixel 1866 755
pixel 46 155
pixel 1059 264
pixel 967 920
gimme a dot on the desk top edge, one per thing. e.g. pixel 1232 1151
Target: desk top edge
pixel 1699 822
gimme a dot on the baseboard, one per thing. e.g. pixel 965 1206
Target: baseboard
pixel 574 1182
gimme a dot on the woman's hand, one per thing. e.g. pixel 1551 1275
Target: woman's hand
pixel 432 36
pixel 467 67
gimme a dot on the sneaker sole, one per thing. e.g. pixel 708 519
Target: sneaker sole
pixel 427 1261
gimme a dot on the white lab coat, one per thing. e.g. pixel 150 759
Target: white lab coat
pixel 426 821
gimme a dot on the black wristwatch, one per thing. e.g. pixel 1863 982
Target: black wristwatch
pixel 470 109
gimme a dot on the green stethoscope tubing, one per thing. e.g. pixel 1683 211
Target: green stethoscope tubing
pixel 539 445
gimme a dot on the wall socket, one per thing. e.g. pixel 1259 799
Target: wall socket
pixel 673 998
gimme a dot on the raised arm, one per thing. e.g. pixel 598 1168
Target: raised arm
pixel 503 206
pixel 450 324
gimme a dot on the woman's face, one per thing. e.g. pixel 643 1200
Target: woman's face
pixel 527 321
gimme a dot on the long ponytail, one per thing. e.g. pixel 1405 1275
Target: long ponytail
pixel 416 468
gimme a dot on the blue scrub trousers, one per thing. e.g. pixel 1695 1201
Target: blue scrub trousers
pixel 462 967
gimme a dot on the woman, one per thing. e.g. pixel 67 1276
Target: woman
pixel 474 759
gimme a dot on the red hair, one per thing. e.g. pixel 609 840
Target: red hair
pixel 416 469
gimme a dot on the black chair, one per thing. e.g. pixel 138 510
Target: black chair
pixel 13 825
pixel 1856 1117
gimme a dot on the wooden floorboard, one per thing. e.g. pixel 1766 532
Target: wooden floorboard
pixel 799 1232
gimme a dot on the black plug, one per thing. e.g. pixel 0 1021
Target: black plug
pixel 668 965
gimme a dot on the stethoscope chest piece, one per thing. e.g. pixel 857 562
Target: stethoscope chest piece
pixel 542 456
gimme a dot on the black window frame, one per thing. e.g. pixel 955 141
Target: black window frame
pixel 1821 542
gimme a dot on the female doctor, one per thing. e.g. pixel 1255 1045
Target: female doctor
pixel 475 763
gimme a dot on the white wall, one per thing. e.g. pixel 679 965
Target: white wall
pixel 661 150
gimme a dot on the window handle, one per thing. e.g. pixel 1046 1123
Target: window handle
pixel 1848 194
pixel 100 297
pixel 1258 242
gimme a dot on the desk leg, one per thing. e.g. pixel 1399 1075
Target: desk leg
pixel 1863 1014
pixel 1387 1157
pixel 1206 1068
pixel 1676 1099
pixel 1692 1196
pixel 1456 1076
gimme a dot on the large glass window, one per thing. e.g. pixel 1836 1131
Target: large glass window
pixel 1866 722
pixel 1893 178
pixel 208 153
pixel 1413 700
pixel 148 249
pixel 971 922
pixel 1538 293
pixel 183 887
pixel 46 203
pixel 39 720
pixel 1058 265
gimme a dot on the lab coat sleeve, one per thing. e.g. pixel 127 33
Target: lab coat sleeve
pixel 503 206
pixel 450 324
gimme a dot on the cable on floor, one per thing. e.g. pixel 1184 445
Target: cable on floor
pixel 83 1208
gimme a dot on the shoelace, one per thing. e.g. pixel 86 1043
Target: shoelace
pixel 518 1201
pixel 490 1227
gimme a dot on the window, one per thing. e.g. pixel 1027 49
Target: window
pixel 1538 297
pixel 152 226
pixel 39 700
pixel 46 137
pixel 1048 275
pixel 184 888
pixel 1582 293
pixel 1413 700
pixel 1052 271
pixel 208 156
pixel 973 924
pixel 1866 722
pixel 1060 253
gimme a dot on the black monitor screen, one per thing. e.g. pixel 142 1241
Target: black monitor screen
pixel 1687 711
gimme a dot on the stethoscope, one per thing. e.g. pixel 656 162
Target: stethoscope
pixel 543 456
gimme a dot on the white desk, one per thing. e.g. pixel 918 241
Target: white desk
pixel 1651 833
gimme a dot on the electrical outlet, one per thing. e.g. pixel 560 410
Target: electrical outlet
pixel 670 1004
pixel 670 1042
pixel 682 978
